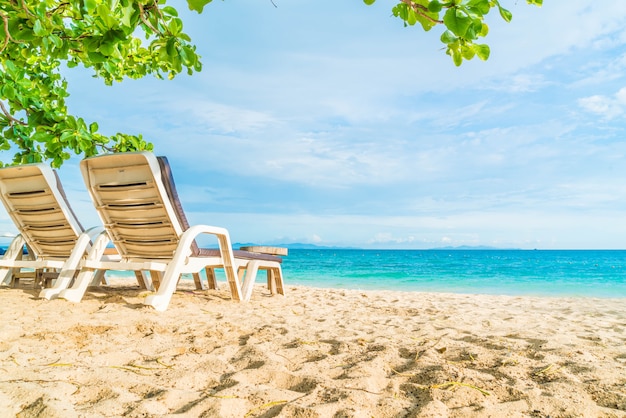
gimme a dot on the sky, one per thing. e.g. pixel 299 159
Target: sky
pixel 328 122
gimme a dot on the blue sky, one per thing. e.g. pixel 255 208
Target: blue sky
pixel 328 122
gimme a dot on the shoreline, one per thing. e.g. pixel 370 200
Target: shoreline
pixel 313 353
pixel 125 277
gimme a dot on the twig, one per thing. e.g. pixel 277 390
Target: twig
pixel 363 390
pixel 53 11
pixel 547 371
pixel 420 10
pixel 127 368
pixel 26 8
pixel 451 383
pixel 444 385
pixel 11 119
pixel 142 15
pixel 8 38
pixel 267 405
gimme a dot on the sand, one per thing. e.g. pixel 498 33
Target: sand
pixel 312 353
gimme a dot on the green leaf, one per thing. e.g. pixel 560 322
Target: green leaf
pixel 127 15
pixel 448 37
pixel 412 17
pixel 175 26
pixel 170 47
pixel 90 5
pixel 169 10
pixel 481 7
pixel 468 52
pixel 8 91
pixel 369 2
pixel 107 48
pixel 457 21
pixel 457 58
pixel 484 30
pixel 197 5
pixel 482 51
pixel 38 29
pixel 66 136
pixel 10 68
pixel 42 137
pixel 434 6
pixel 105 14
pixel 474 30
pixel 454 50
pixel 96 57
pixel 506 15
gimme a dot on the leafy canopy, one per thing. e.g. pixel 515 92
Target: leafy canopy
pixel 115 38
pixel 463 21
pixel 120 39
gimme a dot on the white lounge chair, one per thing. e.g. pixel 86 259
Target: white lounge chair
pixel 34 199
pixel 135 196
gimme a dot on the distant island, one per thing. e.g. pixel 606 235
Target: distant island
pixel 303 246
pixel 298 246
pixel 477 247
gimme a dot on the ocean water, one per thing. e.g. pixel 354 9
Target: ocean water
pixel 586 273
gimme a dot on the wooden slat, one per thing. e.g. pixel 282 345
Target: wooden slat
pixel 266 250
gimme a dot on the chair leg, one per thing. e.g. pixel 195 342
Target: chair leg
pixel 198 281
pixel 211 279
pixel 99 278
pixel 13 252
pixel 144 280
pixel 70 274
pixel 157 277
pixel 103 278
pixel 45 277
pixel 84 278
pixel 277 280
pixel 271 281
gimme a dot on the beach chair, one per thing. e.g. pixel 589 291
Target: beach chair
pixel 135 196
pixel 56 241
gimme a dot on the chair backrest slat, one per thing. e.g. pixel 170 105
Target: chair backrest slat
pixel 132 201
pixel 33 196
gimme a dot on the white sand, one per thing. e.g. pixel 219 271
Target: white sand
pixel 313 353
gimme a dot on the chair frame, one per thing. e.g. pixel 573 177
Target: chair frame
pixel 240 267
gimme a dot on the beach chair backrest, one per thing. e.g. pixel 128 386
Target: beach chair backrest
pixel 132 201
pixel 34 199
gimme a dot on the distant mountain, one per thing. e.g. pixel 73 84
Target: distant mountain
pixel 296 246
pixel 470 247
pixel 304 246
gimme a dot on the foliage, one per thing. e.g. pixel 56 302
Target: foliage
pixel 39 37
pixel 463 20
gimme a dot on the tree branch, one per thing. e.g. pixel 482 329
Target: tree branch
pixel 142 15
pixel 8 37
pixel 28 12
pixel 12 120
pixel 6 31
pixel 421 10
pixel 56 9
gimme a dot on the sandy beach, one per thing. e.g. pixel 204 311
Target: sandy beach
pixel 312 353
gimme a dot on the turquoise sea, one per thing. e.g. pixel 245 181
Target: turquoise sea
pixel 589 273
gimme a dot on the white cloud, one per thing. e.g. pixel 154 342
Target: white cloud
pixel 609 107
pixel 386 238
